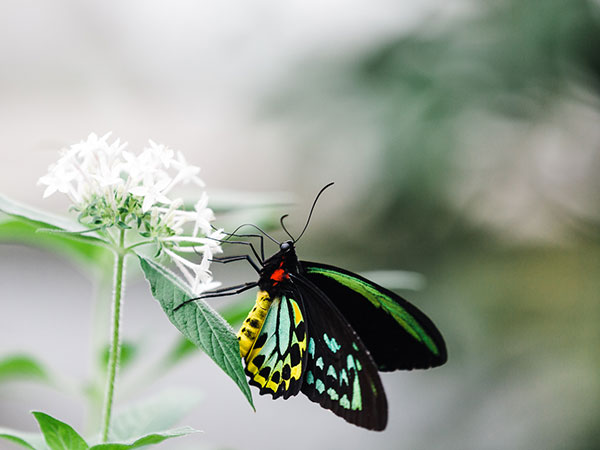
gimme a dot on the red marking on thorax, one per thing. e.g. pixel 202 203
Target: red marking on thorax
pixel 279 275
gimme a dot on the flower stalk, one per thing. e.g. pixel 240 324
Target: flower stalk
pixel 115 344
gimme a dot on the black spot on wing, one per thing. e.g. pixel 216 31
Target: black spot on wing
pixel 295 355
pixel 260 342
pixel 276 377
pixel 286 372
pixel 258 360
pixel 300 331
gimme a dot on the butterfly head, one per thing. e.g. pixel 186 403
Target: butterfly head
pixel 286 257
pixel 286 246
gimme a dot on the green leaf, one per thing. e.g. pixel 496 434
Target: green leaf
pixel 135 426
pixel 87 248
pixel 82 252
pixel 152 415
pixel 152 438
pixel 32 441
pixel 22 366
pixel 183 347
pixel 59 435
pixel 48 220
pixel 198 322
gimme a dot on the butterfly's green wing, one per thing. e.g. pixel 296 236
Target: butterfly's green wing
pixel 397 334
pixel 340 374
pixel 275 362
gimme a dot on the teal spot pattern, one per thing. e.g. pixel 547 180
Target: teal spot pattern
pixel 350 362
pixel 331 371
pixel 319 363
pixel 356 395
pixel 344 377
pixel 333 395
pixel 345 402
pixel 319 386
pixel 331 343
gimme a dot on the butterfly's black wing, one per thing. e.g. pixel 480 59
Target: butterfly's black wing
pixel 339 373
pixel 397 334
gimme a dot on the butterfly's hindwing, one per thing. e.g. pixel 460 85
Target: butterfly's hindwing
pixel 397 334
pixel 275 361
pixel 340 374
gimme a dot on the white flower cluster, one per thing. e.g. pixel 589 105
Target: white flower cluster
pixel 112 188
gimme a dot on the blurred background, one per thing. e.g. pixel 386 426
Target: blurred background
pixel 464 142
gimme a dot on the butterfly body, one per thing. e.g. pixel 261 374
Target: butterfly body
pixel 326 332
pixel 275 356
pixel 254 322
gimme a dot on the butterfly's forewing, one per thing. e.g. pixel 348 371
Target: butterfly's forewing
pixel 397 334
pixel 275 361
pixel 340 374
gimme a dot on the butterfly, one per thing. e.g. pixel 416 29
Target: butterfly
pixel 327 332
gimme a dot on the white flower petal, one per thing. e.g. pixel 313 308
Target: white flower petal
pixel 104 174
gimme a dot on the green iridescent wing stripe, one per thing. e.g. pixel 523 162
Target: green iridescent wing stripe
pixel 340 374
pixel 275 362
pixel 397 334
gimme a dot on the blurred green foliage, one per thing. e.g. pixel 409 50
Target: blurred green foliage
pixel 511 60
pixel 20 367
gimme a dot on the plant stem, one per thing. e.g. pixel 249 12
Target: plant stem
pixel 115 344
pixel 131 247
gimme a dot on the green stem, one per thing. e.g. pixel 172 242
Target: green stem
pixel 131 247
pixel 115 344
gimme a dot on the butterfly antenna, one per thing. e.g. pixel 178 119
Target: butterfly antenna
pixel 311 211
pixel 284 228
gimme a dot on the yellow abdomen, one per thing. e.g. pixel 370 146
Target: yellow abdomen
pixel 254 322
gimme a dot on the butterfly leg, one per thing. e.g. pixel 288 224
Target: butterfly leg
pixel 231 290
pixel 256 255
pixel 262 242
pixel 228 259
pixel 222 292
pixel 261 237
